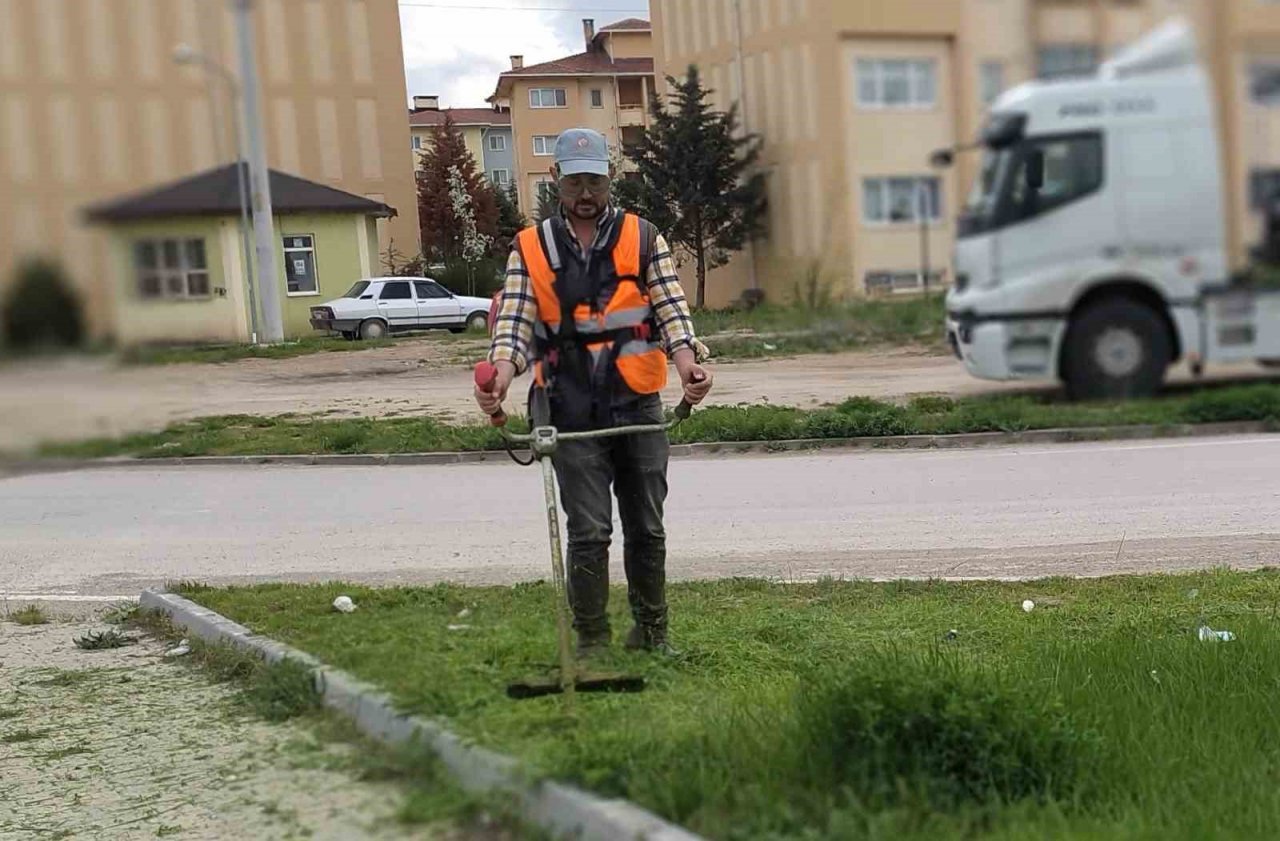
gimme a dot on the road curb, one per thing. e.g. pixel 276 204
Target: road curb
pixel 563 810
pixel 966 440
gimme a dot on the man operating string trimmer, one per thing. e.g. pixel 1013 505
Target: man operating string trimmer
pixel 593 305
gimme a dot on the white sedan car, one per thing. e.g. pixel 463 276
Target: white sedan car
pixel 377 306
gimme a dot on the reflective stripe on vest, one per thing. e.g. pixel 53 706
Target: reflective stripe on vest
pixel 641 361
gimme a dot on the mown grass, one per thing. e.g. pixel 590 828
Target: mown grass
pixel 179 354
pixel 849 710
pixel 778 330
pixel 855 417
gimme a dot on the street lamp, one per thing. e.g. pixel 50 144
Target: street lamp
pixel 185 54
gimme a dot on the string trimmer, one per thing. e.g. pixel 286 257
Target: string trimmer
pixel 542 440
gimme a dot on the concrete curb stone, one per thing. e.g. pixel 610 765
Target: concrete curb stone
pixel 563 810
pixel 699 450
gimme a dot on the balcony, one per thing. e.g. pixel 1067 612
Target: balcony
pixel 631 115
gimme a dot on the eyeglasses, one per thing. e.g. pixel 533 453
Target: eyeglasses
pixel 576 185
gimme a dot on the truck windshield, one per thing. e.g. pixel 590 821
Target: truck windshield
pixel 357 290
pixel 979 211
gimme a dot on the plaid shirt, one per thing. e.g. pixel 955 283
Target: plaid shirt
pixel 513 328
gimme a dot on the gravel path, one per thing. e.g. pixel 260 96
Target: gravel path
pixel 124 744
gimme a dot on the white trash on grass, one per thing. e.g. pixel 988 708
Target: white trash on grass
pixel 343 604
pixel 182 649
pixel 1207 634
pixel 1028 605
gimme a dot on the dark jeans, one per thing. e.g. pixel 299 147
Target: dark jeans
pixel 636 467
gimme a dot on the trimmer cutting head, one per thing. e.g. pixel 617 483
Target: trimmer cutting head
pixel 582 682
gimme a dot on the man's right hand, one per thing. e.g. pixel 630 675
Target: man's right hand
pixel 491 401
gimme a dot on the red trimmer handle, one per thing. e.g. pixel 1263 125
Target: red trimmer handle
pixel 486 375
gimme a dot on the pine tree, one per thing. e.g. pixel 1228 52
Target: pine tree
pixel 443 231
pixel 510 220
pixel 695 179
pixel 548 201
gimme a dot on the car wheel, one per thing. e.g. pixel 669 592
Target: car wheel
pixel 1114 349
pixel 478 321
pixel 373 329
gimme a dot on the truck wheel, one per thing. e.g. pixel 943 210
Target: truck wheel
pixel 373 329
pixel 1116 348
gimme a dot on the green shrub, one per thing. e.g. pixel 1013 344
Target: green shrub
pixel 1245 403
pixel 41 310
pixel 487 275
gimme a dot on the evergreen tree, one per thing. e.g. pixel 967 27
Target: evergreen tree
pixel 510 220
pixel 444 232
pixel 695 179
pixel 548 201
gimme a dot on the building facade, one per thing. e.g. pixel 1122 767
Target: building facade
pixel 607 88
pixel 852 96
pixel 486 131
pixel 92 105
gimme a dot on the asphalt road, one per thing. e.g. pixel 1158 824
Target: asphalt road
pixel 1008 512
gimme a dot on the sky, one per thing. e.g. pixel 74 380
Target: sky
pixel 455 49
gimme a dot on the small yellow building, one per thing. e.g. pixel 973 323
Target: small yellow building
pixel 176 255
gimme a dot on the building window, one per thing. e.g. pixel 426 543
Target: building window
pixel 500 177
pixel 417 143
pixel 547 98
pixel 894 283
pixel 544 144
pixel 897 83
pixel 300 265
pixel 597 98
pixel 171 268
pixel 1264 83
pixel 1264 188
pixel 991 80
pixel 497 143
pixel 898 200
pixel 1059 61
pixel 546 189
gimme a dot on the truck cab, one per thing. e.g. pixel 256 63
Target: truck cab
pixel 1093 240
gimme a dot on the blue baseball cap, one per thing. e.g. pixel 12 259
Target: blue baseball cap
pixel 581 150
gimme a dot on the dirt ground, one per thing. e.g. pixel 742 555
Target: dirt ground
pixel 76 398
pixel 125 744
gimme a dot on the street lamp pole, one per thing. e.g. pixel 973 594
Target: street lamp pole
pixel 259 180
pixel 185 54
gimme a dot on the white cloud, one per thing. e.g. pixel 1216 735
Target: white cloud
pixel 457 54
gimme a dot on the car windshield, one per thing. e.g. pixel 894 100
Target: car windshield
pixel 357 290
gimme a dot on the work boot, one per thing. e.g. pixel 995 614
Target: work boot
pixel 593 644
pixel 650 638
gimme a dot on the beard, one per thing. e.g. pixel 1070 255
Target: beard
pixel 585 208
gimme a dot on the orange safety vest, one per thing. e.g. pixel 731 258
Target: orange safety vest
pixel 617 325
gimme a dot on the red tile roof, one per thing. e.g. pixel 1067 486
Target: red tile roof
pixel 462 117
pixel 624 25
pixel 593 63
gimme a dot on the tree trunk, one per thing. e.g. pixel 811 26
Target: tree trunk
pixel 700 260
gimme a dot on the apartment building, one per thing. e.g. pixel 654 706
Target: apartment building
pixel 486 131
pixel 93 105
pixel 607 87
pixel 851 96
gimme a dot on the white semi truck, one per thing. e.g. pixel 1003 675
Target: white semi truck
pixel 1093 246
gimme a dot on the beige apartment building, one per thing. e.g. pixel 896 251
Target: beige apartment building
pixel 851 96
pixel 93 105
pixel 607 87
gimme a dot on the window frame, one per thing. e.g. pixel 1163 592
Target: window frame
pixel 501 147
pixel 914 83
pixel 163 274
pixel 1062 47
pixel 596 98
pixel 885 183
pixel 559 98
pixel 548 145
pixel 504 180
pixel 416 142
pixel 315 263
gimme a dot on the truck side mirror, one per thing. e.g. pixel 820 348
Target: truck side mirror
pixel 1035 171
